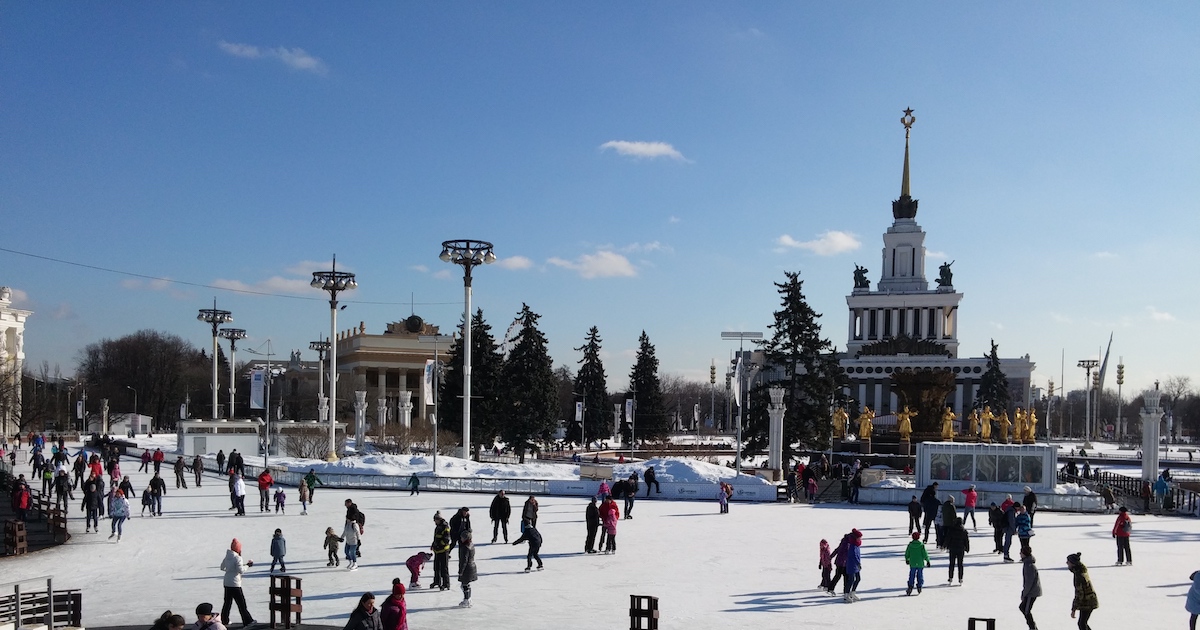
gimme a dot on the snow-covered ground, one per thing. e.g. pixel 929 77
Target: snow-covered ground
pixel 754 567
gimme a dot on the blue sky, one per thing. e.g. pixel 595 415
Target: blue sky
pixel 638 166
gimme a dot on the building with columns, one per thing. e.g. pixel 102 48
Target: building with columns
pixel 12 360
pixel 903 324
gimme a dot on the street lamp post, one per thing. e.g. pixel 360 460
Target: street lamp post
pixel 321 347
pixel 334 282
pixel 1049 409
pixel 469 254
pixel 433 383
pixel 1088 365
pixel 582 419
pixel 270 375
pixel 215 317
pixel 135 401
pixel 741 337
pixel 232 334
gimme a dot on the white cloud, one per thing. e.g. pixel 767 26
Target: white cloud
pixel 653 246
pixel 1160 316
pixel 602 264
pixel 639 149
pixel 20 299
pixel 935 255
pixel 274 284
pixel 1103 255
pixel 294 58
pixel 830 243
pixel 1060 318
pixel 996 325
pixel 514 263
pixel 420 268
pixel 443 274
pixel 674 219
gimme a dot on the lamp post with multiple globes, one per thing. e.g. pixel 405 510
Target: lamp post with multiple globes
pixel 215 317
pixel 469 254
pixel 232 334
pixel 333 282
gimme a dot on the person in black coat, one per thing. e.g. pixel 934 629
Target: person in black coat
pixel 914 515
pixel 651 481
pixel 997 521
pixel 930 503
pixel 500 511
pixel 534 538
pixel 459 523
pixel 631 490
pixel 366 615
pixel 592 519
pixel 958 543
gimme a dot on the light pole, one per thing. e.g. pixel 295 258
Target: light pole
pixel 1120 414
pixel 433 385
pixel 270 375
pixel 232 334
pixel 215 317
pixel 334 282
pixel 582 419
pixel 1088 365
pixel 321 347
pixel 1049 409
pixel 469 254
pixel 135 401
pixel 741 338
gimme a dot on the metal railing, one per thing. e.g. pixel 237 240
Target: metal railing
pixel 50 607
pixel 1182 500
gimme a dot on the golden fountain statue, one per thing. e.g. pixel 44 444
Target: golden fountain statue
pixel 948 425
pixel 905 425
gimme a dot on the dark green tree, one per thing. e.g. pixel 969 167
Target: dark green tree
pixel 650 415
pixel 993 385
pixel 804 364
pixel 529 399
pixel 592 384
pixel 487 363
pixel 161 367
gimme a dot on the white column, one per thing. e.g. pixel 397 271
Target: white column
pixel 775 411
pixel 360 419
pixel 405 411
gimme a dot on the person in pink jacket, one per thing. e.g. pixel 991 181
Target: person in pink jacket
pixel 969 499
pixel 604 490
pixel 609 515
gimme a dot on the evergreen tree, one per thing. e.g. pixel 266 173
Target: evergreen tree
pixel 649 413
pixel 486 365
pixel 592 383
pixel 529 400
pixel 993 385
pixel 810 375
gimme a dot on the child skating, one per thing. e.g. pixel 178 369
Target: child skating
pixel 415 563
pixel 331 544
pixel 280 499
pixel 278 551
pixel 917 558
pixel 825 565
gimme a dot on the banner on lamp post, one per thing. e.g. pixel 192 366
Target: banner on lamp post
pixel 579 411
pixel 257 383
pixel 79 410
pixel 429 382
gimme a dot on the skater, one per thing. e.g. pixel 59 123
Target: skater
pixel 234 567
pixel 825 564
pixel 1010 528
pixel 360 520
pixel 529 513
pixel 532 535
pixel 350 536
pixel 303 489
pixel 1030 503
pixel 145 461
pixel 996 520
pixel 793 492
pixel 631 490
pixel 414 564
pixel 939 528
pixel 917 558
pixel 441 553
pixel 365 615
pixel 221 462
pixel 607 505
pixel 1085 596
pixel 265 481
pixel 970 497
pixel 79 467
pixel 158 457
pixel 1110 500
pixel 914 515
pixel 158 489
pixel 591 519
pixel 652 480
pixel 332 540
pixel 147 502
pixel 722 499
pixel 1031 587
pixel 118 511
pixel 280 499
pixel 394 612
pixel 180 467
pixel 1024 525
pixel 931 506
pixel 1120 531
pixel 239 494
pixel 311 480
pixel 414 485
pixel 811 488
pixel 958 543
pixel 91 505
pixel 62 490
pixel 459 523
pixel 197 469
pixel 853 566
pixel 278 551
pixel 467 572
pixel 604 490
pixel 500 511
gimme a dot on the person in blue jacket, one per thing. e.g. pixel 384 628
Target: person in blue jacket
pixel 853 558
pixel 278 551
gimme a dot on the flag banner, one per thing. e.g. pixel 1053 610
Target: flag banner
pixel 696 415
pixel 429 381
pixel 79 410
pixel 257 383
pixel 737 383
pixel 579 411
pixel 629 411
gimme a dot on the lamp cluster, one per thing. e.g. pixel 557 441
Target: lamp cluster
pixel 333 280
pixel 467 252
pixel 215 316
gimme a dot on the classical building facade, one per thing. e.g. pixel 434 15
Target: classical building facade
pixel 903 324
pixel 12 360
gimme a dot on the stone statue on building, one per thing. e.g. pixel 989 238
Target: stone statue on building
pixel 905 425
pixel 860 278
pixel 840 420
pixel 1018 425
pixel 985 423
pixel 1031 427
pixel 865 426
pixel 945 276
pixel 974 426
pixel 948 417
pixel 1005 426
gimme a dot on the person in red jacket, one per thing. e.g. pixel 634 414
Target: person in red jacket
pixel 1120 532
pixel 264 491
pixel 21 501
pixel 158 458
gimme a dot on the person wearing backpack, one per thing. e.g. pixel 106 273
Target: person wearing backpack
pixel 355 515
pixel 1121 530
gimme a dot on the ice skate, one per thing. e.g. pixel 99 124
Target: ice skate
pixel 112 536
pixel 846 598
pixel 540 567
pixel 908 591
pixel 466 603
pixel 527 569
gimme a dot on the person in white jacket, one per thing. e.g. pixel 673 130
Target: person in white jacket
pixel 239 495
pixel 350 533
pixel 234 567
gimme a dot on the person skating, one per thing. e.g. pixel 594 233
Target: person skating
pixel 414 485
pixel 206 619
pixel 145 458
pixel 996 520
pixel 278 551
pixel 467 572
pixel 311 480
pixel 825 565
pixel 970 498
pixel 609 515
pixel 332 545
pixel 265 481
pixel 591 519
pixel 350 536
pixel 1085 600
pixel 63 490
pixel 158 457
pixel 631 490
pixel 303 491
pixel 91 505
pixel 365 616
pixel 197 469
pixel 180 468
pixel 234 566
pixel 414 564
pixel 1024 525
pixel 1121 530
pixel 958 544
pixel 529 513
pixel 1010 528
pixel 930 505
pixel 221 462
pixel 917 558
pixel 80 467
pixel 441 553
pixel 126 486
pixel 118 511
pixel 793 494
pixel 393 614
pixel 651 480
pixel 459 523
pixel 1030 502
pixel 500 511
pixel 239 494
pixel 853 566
pixel 158 489
pixel 147 502
pixel 914 515
pixel 280 501
pixel 1031 587
pixel 356 516
pixel 534 538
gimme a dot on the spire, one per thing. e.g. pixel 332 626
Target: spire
pixel 905 207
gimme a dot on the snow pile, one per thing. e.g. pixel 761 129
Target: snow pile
pixel 422 465
pixel 682 470
pixel 892 482
pixel 1074 488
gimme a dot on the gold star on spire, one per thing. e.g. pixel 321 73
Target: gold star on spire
pixel 907 120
